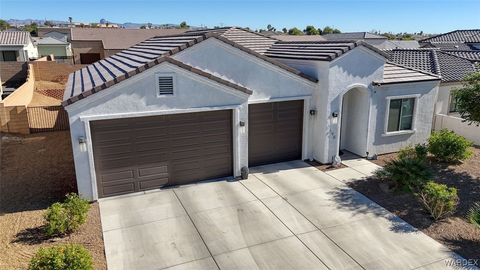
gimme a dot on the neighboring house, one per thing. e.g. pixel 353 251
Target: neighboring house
pixel 92 44
pixel 298 38
pixel 17 46
pixel 453 67
pixel 379 41
pixel 455 40
pixel 209 104
pixel 60 33
pixel 60 49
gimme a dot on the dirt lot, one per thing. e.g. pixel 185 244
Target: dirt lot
pixel 37 170
pixel 455 232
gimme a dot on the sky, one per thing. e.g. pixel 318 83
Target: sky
pixel 430 16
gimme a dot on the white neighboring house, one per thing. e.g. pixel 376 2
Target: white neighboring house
pixel 209 104
pixel 17 46
pixel 452 66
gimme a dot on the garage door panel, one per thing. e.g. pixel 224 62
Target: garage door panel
pixel 134 154
pixel 275 132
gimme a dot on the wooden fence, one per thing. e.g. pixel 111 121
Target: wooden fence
pixel 47 118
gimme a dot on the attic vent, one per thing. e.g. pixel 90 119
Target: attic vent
pixel 165 85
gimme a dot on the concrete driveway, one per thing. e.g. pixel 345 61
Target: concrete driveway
pixel 285 216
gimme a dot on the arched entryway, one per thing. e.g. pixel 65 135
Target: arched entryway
pixel 354 121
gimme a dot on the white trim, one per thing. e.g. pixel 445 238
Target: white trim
pixel 174 84
pixel 153 113
pixel 360 47
pixel 278 99
pixel 88 135
pixel 414 116
pixel 252 58
pixel 91 164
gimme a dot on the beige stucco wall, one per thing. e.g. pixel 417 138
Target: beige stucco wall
pixel 79 47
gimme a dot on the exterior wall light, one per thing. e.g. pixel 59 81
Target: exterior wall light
pixel 313 112
pixel 242 123
pixel 335 114
pixel 82 143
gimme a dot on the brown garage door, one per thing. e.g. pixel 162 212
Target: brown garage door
pixel 135 154
pixel 275 132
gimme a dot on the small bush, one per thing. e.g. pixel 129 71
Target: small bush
pixel 419 151
pixel 474 214
pixel 66 217
pixel 439 200
pixel 447 146
pixel 62 257
pixel 406 174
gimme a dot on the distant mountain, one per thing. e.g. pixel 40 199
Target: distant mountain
pixel 19 22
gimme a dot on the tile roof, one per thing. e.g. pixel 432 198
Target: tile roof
pixel 450 67
pixel 49 41
pixel 320 51
pixel 248 39
pixel 463 36
pixel 449 46
pixel 298 37
pixel 14 37
pixel 352 36
pixel 136 59
pixel 119 38
pixel 394 73
pixel 470 55
pixel 398 44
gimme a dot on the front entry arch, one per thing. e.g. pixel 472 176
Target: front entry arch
pixel 354 121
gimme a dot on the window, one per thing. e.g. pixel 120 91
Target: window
pixel 9 56
pixel 452 106
pixel 400 114
pixel 165 85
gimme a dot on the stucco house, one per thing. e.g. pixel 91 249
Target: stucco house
pixel 59 48
pixel 17 46
pixel 209 104
pixel 453 67
pixel 461 40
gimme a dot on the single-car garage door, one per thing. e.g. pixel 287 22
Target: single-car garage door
pixel 135 154
pixel 275 132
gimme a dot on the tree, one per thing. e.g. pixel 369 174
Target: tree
pixel 320 31
pixel 4 25
pixel 32 28
pixel 330 30
pixel 467 99
pixel 143 27
pixel 70 20
pixel 285 30
pixel 295 31
pixel 270 28
pixel 311 30
pixel 49 24
pixel 184 25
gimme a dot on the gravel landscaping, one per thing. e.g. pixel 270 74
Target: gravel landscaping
pixel 37 170
pixel 455 231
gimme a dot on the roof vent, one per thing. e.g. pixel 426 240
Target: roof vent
pixel 165 85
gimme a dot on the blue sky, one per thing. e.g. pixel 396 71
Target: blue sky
pixel 432 16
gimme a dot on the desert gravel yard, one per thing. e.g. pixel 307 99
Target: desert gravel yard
pixel 455 232
pixel 37 170
pixel 285 216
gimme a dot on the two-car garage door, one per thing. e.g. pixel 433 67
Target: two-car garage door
pixel 135 154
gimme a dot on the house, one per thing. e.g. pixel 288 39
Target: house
pixel 17 46
pixel 209 104
pixel 453 67
pixel 462 40
pixel 59 48
pixel 379 41
pixel 92 44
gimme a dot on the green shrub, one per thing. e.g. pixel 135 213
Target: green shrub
pixel 419 151
pixel 407 174
pixel 66 217
pixel 474 214
pixel 438 199
pixel 447 146
pixel 62 257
